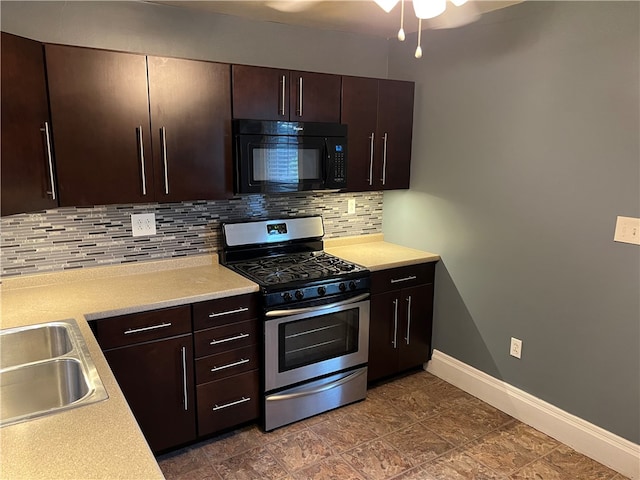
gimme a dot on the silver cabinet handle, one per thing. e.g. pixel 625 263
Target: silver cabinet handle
pixel 144 175
pixel 229 365
pixel 228 312
pixel 163 136
pixel 146 329
pixel 408 318
pixel 404 279
pixel 384 159
pixel 300 96
pixel 284 92
pixel 184 378
pixel 372 138
pixel 395 323
pixel 47 136
pixel 230 339
pixel 230 404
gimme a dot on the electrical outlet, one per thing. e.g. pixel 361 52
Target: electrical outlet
pixel 627 230
pixel 516 347
pixel 143 224
pixel 351 206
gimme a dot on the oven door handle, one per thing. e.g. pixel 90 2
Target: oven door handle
pixel 323 388
pixel 295 311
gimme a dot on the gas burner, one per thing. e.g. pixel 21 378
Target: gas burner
pixel 295 267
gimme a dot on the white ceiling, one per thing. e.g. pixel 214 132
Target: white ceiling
pixel 357 16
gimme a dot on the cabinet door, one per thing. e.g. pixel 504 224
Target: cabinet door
pixel 395 125
pixel 157 381
pixel 359 112
pixel 190 105
pixel 414 331
pixel 26 167
pixel 260 93
pixel 383 330
pixel 100 116
pixel 314 97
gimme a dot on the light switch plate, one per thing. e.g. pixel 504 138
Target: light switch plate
pixel 627 230
pixel 143 224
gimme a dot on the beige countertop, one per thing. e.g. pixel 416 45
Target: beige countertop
pixel 103 440
pixel 373 252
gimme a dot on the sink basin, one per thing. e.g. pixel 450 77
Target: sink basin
pixel 41 387
pixel 33 343
pixel 45 369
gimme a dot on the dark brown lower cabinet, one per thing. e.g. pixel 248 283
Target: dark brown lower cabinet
pixel 226 350
pixel 401 320
pixel 227 402
pixel 151 356
pixel 157 380
pixel 158 360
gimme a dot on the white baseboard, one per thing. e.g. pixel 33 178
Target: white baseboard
pixel 603 446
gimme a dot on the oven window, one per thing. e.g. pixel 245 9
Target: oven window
pixel 315 339
pixel 285 165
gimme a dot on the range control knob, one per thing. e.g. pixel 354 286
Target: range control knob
pixel 299 294
pixel 352 285
pixel 342 287
pixel 322 291
pixel 286 296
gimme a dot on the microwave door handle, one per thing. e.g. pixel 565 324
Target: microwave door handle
pixel 325 154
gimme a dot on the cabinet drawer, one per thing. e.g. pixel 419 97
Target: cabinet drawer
pixel 402 277
pixel 225 403
pixel 222 365
pixel 142 327
pixel 222 311
pixel 222 339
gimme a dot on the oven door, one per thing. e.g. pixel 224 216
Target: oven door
pixel 307 343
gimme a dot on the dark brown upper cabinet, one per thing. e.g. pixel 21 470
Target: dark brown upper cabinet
pixel 271 94
pixel 379 116
pixel 124 136
pixel 27 168
pixel 100 116
pixel 190 105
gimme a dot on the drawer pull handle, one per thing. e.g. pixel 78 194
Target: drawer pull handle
pixel 229 365
pixel 229 312
pixel 404 279
pixel 146 329
pixel 237 337
pixel 230 404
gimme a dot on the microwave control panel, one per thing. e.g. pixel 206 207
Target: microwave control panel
pixel 339 164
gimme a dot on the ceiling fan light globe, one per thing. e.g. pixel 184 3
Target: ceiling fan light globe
pixel 429 8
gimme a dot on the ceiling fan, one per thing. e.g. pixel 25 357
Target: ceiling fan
pixel 436 13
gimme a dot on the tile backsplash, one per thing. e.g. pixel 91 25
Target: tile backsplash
pixel 77 237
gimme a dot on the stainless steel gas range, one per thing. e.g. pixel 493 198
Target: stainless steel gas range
pixel 315 316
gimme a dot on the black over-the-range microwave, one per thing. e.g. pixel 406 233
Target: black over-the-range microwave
pixel 274 156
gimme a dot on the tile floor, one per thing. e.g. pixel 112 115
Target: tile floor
pixel 415 427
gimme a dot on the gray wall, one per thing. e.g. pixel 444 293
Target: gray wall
pixel 526 148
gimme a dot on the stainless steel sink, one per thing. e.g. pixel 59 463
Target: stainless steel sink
pixel 45 369
pixel 32 344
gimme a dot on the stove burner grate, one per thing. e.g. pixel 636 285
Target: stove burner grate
pixel 295 267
